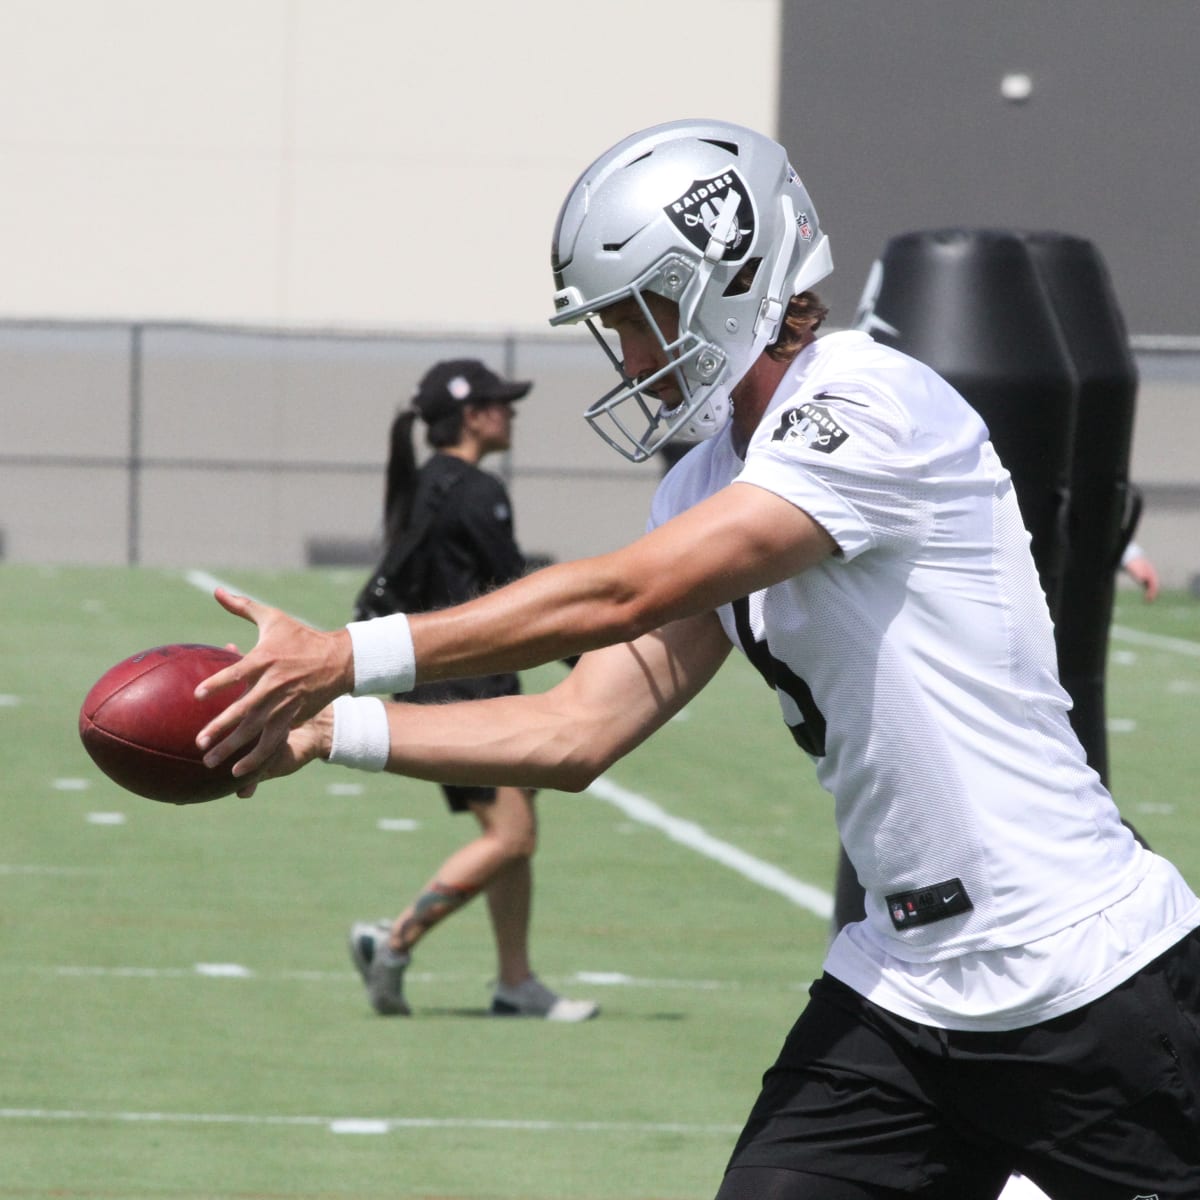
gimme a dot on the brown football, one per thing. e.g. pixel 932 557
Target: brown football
pixel 140 719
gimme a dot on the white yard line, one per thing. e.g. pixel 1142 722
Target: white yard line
pixel 240 974
pixel 695 837
pixel 1156 640
pixel 348 1124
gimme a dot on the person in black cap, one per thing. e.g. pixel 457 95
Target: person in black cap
pixel 453 522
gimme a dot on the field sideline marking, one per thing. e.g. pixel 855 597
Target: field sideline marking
pixel 645 811
pixel 1157 640
pixel 369 1124
pixel 695 837
pixel 242 974
pixel 209 583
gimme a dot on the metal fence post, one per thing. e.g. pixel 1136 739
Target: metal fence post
pixel 133 550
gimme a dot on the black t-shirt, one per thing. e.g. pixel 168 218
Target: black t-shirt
pixel 470 549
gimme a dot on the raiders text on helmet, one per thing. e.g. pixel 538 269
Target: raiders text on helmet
pixel 708 215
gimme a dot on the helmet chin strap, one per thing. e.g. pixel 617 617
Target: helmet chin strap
pixel 714 252
pixel 718 243
pixel 774 304
pixel 723 228
pixel 770 313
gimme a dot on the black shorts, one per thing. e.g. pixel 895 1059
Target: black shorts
pixel 1100 1104
pixel 459 798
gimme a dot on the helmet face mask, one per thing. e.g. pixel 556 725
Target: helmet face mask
pixel 631 417
pixel 711 217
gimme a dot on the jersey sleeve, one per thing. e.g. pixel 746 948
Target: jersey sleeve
pixel 852 460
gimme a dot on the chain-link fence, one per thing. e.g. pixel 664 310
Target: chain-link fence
pixel 190 445
pixel 173 445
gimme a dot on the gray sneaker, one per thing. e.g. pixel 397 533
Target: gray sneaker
pixel 533 998
pixel 382 970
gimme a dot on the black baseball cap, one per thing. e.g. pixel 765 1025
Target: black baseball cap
pixel 446 385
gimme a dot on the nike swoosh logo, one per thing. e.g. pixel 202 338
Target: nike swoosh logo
pixel 843 399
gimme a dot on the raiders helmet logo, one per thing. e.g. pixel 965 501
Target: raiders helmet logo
pixel 812 425
pixel 697 214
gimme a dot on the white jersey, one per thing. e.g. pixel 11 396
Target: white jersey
pixel 917 667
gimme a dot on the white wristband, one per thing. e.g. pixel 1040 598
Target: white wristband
pixel 384 660
pixel 360 733
pixel 1132 551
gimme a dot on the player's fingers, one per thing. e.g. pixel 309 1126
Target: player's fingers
pixel 225 735
pixel 248 669
pixel 286 760
pixel 264 752
pixel 240 606
pixel 241 722
pixel 265 732
pixel 226 677
pixel 244 718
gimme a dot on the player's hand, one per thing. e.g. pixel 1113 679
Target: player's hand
pixel 311 740
pixel 292 673
pixel 1144 573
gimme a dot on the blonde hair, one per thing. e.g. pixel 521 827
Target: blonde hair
pixel 804 316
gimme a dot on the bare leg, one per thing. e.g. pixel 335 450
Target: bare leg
pixel 510 894
pixel 496 862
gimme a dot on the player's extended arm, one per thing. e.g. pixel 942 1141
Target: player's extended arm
pixel 563 738
pixel 742 539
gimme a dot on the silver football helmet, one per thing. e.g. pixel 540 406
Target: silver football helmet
pixel 710 216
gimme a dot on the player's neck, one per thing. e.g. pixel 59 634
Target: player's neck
pixel 751 396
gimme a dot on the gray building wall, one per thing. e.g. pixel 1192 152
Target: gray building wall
pixel 893 113
pixel 895 116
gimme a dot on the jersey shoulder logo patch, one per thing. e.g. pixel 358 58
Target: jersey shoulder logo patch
pixel 812 425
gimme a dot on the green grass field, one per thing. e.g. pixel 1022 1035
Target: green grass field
pixel 180 1018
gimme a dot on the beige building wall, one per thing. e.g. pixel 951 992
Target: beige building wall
pixel 333 163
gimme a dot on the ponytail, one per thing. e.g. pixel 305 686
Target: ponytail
pixel 401 485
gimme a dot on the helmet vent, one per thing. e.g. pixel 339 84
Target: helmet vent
pixel 731 147
pixel 743 281
pixel 614 247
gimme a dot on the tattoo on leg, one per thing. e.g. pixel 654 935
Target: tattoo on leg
pixel 431 907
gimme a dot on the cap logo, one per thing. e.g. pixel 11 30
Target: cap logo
pixel 459 388
pixel 696 213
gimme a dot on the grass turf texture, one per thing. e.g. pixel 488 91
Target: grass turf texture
pixel 180 1016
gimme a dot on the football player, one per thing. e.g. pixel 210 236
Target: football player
pixel 1023 994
